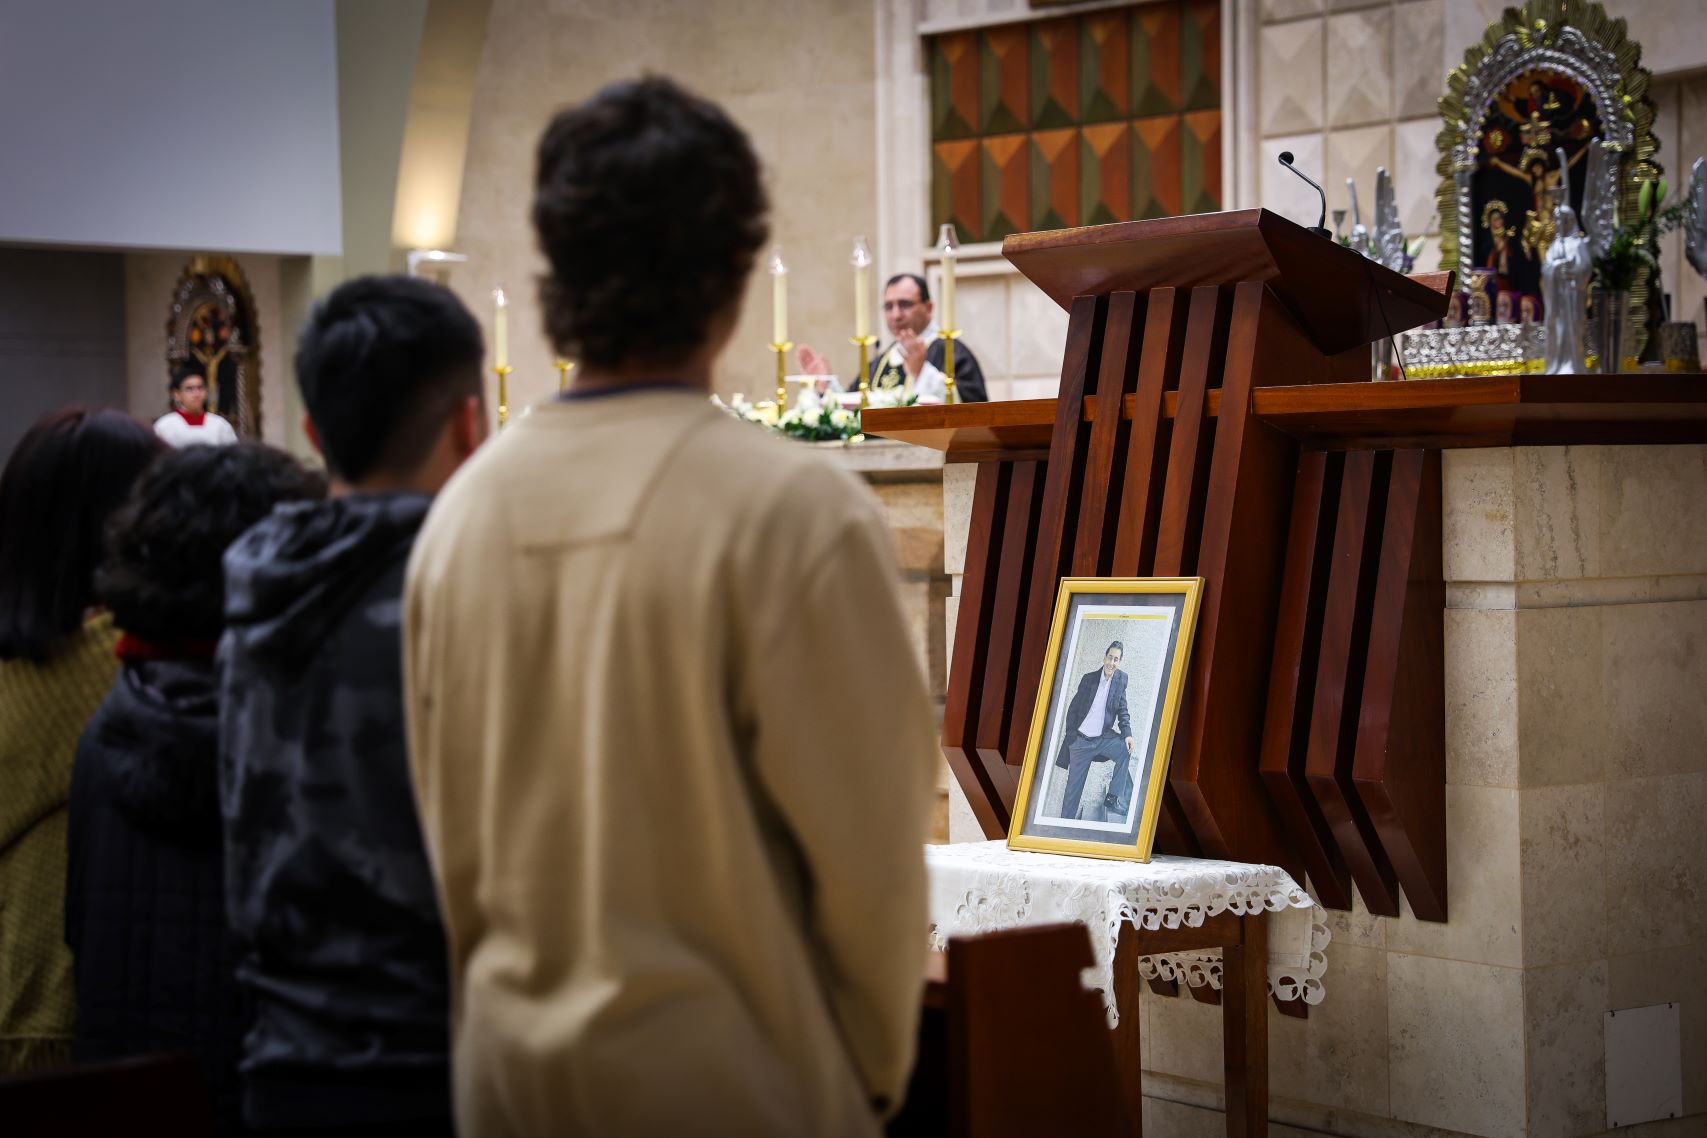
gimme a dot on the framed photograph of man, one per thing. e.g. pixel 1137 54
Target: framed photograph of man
pixel 1096 761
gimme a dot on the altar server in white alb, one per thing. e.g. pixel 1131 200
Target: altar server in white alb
pixel 190 423
pixel 685 888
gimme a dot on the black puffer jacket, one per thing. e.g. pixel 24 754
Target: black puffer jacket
pixel 145 901
pixel 327 879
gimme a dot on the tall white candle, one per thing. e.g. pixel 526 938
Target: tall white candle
pixel 500 328
pixel 862 288
pixel 949 249
pixel 779 298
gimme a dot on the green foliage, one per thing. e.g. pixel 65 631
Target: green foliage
pixel 1635 246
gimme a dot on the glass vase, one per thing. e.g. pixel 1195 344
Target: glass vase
pixel 1611 315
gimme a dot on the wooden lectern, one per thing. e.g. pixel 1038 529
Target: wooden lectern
pixel 1157 465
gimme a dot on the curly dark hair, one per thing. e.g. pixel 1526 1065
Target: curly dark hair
pixel 162 577
pixel 650 209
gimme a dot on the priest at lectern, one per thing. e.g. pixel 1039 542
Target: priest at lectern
pixel 915 354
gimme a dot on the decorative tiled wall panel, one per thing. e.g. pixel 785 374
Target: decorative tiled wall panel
pixel 1077 120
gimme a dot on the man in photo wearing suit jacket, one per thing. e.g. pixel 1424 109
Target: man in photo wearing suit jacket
pixel 1099 728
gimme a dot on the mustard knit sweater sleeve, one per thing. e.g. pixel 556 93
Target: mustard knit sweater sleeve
pixel 43 710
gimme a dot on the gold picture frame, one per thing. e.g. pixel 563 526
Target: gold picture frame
pixel 1134 698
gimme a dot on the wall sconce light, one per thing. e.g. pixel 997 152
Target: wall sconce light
pixel 432 256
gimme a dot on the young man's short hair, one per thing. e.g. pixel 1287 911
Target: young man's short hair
pixel 184 372
pixel 381 361
pixel 1115 646
pixel 650 209
pixel 918 281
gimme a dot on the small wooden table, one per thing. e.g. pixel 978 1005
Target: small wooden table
pixel 1168 905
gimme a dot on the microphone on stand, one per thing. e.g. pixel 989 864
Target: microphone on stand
pixel 1320 229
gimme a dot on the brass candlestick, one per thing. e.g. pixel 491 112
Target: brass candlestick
pixel 951 335
pixel 864 343
pixel 781 350
pixel 562 366
pixel 503 371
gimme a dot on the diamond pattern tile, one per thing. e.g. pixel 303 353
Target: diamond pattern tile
pixel 1105 66
pixel 1414 179
pixel 955 192
pixel 1006 188
pixel 1419 57
pixel 1360 67
pixel 1158 64
pixel 1105 173
pixel 1093 116
pixel 1004 80
pixel 1054 73
pixel 1054 178
pixel 1356 154
pixel 954 85
pixel 1291 72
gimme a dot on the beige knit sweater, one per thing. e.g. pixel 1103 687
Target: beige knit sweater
pixel 43 710
pixel 674 757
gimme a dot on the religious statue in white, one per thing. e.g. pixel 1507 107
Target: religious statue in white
pixel 1564 291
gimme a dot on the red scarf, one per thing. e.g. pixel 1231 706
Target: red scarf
pixel 194 419
pixel 131 648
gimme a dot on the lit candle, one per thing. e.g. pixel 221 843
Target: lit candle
pixel 501 328
pixel 949 248
pixel 779 298
pixel 862 288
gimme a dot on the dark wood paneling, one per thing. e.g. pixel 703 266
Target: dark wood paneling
pixel 1400 767
pixel 1001 656
pixel 1062 485
pixel 972 625
pixel 1150 438
pixel 1292 676
pixel 1450 414
pixel 1244 1028
pixel 1193 434
pixel 1099 504
pixel 1214 769
pixel 1339 678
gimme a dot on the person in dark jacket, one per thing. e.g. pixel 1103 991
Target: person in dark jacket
pixel 144 907
pixel 328 887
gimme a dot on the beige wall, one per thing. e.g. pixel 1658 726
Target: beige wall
pixel 797 77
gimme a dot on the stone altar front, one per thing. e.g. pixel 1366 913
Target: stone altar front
pixel 1576 770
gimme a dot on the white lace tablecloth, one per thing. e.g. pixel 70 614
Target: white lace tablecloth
pixel 979 887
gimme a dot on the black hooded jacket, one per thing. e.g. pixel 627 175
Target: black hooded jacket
pixel 328 887
pixel 155 967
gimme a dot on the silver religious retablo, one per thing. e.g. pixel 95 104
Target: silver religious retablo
pixel 1600 194
pixel 1389 237
pixel 1695 220
pixel 1564 293
pixel 1359 234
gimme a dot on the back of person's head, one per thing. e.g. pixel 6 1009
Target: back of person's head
pixel 382 362
pixel 162 577
pixel 649 207
pixel 68 474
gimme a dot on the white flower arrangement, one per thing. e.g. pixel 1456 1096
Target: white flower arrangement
pixel 810 421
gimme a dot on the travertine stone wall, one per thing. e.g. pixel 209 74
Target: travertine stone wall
pixel 1576 682
pixel 798 77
